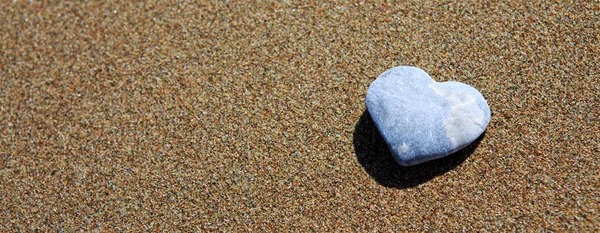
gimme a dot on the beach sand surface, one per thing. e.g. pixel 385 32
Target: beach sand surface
pixel 250 116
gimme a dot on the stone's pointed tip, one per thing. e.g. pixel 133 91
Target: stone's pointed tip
pixel 407 163
pixel 423 120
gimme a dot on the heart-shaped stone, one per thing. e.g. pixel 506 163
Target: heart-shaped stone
pixel 421 119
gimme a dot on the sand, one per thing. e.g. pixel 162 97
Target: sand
pixel 250 116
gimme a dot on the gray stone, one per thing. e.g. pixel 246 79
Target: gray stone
pixel 422 120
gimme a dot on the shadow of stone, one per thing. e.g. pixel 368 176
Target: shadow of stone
pixel 374 156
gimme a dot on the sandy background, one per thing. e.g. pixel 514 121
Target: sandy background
pixel 181 115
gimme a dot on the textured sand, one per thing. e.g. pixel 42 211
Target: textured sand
pixel 251 116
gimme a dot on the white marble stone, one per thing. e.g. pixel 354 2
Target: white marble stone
pixel 421 119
